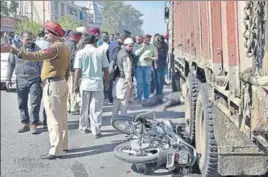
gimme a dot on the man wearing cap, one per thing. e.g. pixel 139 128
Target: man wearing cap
pixel 124 84
pixel 53 74
pixel 113 50
pixel 89 64
pixel 72 105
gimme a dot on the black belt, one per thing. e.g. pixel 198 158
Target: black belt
pixel 53 79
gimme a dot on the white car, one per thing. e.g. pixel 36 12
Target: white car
pixel 4 62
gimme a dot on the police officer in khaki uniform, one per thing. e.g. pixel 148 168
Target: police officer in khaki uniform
pixel 54 74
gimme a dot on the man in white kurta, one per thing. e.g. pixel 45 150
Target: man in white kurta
pixel 90 62
pixel 125 82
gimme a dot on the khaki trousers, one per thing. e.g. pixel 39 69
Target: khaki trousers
pixel 55 99
pixel 72 105
pixel 91 111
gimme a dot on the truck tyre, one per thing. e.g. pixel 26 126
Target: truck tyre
pixel 176 82
pixel 205 138
pixel 190 106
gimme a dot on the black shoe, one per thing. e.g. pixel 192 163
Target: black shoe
pixel 24 129
pixel 66 150
pixel 97 136
pixel 86 131
pixel 49 157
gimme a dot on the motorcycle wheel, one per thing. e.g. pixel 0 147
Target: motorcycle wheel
pixel 125 121
pixel 124 153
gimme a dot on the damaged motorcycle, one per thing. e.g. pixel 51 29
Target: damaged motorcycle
pixel 154 142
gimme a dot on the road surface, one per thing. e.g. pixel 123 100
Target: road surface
pixel 20 153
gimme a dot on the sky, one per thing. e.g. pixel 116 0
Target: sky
pixel 153 15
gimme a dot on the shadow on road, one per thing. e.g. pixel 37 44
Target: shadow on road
pixel 73 125
pixel 153 170
pixel 88 151
pixel 106 120
pixel 169 115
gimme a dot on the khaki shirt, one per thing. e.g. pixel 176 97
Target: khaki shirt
pixel 56 59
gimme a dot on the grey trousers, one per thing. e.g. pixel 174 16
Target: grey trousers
pixel 91 111
pixel 24 89
pixel 72 104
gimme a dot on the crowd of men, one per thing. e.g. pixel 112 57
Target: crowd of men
pixel 73 71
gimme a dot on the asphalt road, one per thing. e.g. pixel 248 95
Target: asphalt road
pixel 20 153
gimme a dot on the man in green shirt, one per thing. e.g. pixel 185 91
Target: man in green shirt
pixel 147 53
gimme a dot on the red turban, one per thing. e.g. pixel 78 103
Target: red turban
pixel 54 28
pixel 94 31
pixel 166 36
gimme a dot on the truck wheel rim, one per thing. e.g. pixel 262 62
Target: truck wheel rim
pixel 202 136
pixel 187 114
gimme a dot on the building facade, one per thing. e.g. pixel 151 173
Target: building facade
pixel 8 23
pixel 41 11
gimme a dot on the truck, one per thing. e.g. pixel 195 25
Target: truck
pixel 218 54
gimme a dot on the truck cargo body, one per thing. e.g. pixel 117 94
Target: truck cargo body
pixel 219 52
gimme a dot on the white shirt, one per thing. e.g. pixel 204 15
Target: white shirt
pixel 91 61
pixel 42 43
pixel 104 47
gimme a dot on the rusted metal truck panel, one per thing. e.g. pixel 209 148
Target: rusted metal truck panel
pixel 220 49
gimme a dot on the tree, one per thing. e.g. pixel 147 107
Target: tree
pixel 118 17
pixel 4 8
pixel 67 22
pixel 28 25
pixel 13 6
